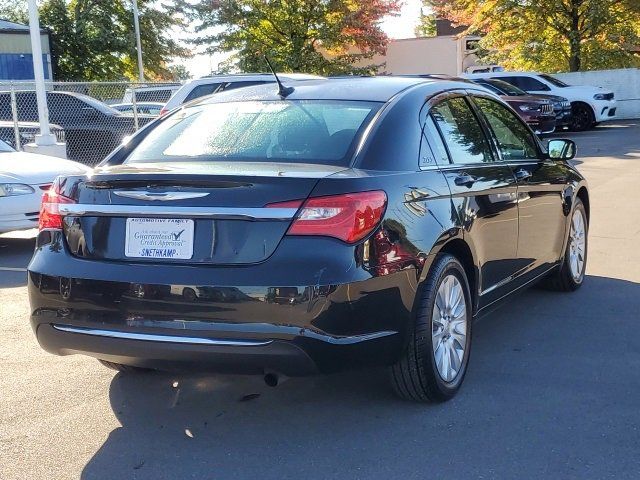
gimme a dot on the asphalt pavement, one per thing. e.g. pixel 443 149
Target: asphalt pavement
pixel 552 391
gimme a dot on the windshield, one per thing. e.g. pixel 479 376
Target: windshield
pixel 554 81
pixel 4 147
pixel 507 88
pixel 311 131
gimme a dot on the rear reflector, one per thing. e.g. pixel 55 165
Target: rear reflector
pixel 349 217
pixel 50 217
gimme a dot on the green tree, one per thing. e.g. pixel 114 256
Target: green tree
pixel 427 22
pixel 179 72
pixel 314 36
pixel 551 35
pixel 94 39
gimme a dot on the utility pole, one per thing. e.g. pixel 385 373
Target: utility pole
pixel 136 24
pixel 45 138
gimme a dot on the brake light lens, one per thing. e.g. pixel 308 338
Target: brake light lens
pixel 163 111
pixel 50 217
pixel 349 217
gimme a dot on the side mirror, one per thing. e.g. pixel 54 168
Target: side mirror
pixel 562 149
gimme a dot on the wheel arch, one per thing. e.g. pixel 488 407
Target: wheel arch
pixel 461 250
pixel 583 195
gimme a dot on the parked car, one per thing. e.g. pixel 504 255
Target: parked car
pixel 154 93
pixel 399 209
pixel 27 132
pixel 204 86
pixel 24 177
pixel 589 105
pixel 145 108
pixel 561 105
pixel 92 128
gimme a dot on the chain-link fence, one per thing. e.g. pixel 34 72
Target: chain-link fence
pixel 91 117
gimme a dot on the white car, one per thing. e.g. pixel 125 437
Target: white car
pixel 201 87
pixel 589 105
pixel 23 179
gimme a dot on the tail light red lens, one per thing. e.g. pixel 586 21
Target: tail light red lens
pixel 349 217
pixel 163 111
pixel 50 217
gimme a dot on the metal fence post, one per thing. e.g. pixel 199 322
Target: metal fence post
pixel 14 116
pixel 135 108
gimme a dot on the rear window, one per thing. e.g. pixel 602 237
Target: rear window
pixel 312 131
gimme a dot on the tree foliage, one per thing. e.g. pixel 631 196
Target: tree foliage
pixel 315 36
pixel 95 39
pixel 426 26
pixel 551 35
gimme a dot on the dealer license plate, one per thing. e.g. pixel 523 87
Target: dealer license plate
pixel 159 238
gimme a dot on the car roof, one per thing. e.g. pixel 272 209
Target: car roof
pixel 373 89
pixel 239 77
pixel 500 74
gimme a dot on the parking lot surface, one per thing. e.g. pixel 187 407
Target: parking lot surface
pixel 552 390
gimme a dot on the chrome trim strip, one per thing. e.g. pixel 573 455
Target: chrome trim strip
pixel 159 196
pixel 225 213
pixel 148 337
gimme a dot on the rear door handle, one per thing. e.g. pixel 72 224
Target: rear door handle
pixel 522 174
pixel 465 180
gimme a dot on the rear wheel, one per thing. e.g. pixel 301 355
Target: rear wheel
pixel 123 368
pixel 570 275
pixel 434 363
pixel 583 118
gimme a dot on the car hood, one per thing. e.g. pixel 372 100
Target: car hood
pixel 551 98
pixel 525 99
pixel 36 169
pixel 581 90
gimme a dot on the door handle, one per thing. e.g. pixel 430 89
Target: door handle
pixel 465 180
pixel 522 174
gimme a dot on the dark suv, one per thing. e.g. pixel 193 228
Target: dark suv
pixel 92 128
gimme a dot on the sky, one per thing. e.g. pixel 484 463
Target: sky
pixel 401 26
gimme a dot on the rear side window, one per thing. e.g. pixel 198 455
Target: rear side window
pixel 461 132
pixel 528 84
pixel 514 139
pixel 202 91
pixel 313 131
pixel 234 85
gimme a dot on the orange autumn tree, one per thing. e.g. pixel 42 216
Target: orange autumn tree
pixel 551 35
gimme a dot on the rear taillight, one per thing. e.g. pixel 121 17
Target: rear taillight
pixel 163 111
pixel 349 217
pixel 50 217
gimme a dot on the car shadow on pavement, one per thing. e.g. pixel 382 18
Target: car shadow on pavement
pixel 539 379
pixel 15 254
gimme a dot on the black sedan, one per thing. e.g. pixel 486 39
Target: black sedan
pixel 362 221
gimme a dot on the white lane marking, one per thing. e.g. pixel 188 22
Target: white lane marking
pixel 12 269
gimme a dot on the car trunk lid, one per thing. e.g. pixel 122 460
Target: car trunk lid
pixel 194 213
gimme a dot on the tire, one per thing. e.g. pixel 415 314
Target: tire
pixel 565 278
pixel 123 368
pixel 583 117
pixel 189 294
pixel 417 376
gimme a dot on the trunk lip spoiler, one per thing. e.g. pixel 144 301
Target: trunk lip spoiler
pixel 161 211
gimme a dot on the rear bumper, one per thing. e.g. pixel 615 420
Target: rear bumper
pixel 296 328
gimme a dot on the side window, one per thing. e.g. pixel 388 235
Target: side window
pixel 201 91
pixel 234 85
pixel 528 84
pixel 515 141
pixel 27 106
pixel 435 141
pixel 461 132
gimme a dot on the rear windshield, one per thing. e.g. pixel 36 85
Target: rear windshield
pixel 310 131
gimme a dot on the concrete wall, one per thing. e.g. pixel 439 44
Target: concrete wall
pixel 625 83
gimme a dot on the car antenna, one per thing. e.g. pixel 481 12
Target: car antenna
pixel 283 91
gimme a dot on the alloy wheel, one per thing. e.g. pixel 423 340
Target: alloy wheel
pixel 449 328
pixel 577 245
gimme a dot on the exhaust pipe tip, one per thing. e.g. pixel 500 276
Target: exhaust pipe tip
pixel 271 379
